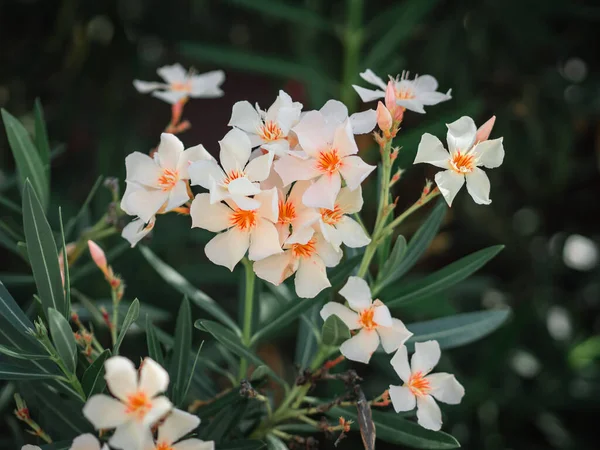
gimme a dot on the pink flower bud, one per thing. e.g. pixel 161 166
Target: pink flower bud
pixel 384 118
pixel 98 256
pixel 390 96
pixel 484 131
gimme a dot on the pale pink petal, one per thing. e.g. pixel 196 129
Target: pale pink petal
pixel 136 230
pixel 105 412
pixel 277 148
pixel 400 363
pixel 301 236
pixel 153 378
pixel 393 337
pixel 218 192
pixel 194 444
pixel 142 169
pixel 478 185
pixel 484 131
pixel 490 153
pixel 402 398
pixel 245 202
pixel 432 151
pixel 258 169
pixel 449 183
pixel 245 117
pixel 363 122
pixel 323 192
pixel 429 415
pixel 121 377
pixel 381 315
pixel 446 388
pixel 207 85
pixel 291 168
pixel 368 95
pixel 177 196
pixel 343 140
pixel 276 268
pixel 169 151
pixel 313 133
pixel 145 203
pixel 212 217
pixel 334 111
pixel 330 255
pixel 264 241
pixel 170 97
pixel 177 425
pixel 311 277
pixel 273 180
pixel 147 86
pixel 355 170
pixel 228 248
pixel 349 317
pixel 189 156
pixel 356 291
pixel 350 201
pixel 85 442
pixel 361 346
pixel 426 356
pixel 370 77
pixel 235 150
pixel 160 408
pixel 173 74
pixel 296 192
pixel 305 218
pixel 331 234
pixel 287 118
pixel 130 436
pixel 205 172
pixel 461 134
pixel 269 204
pixel 284 232
pixel 352 233
pixel 243 187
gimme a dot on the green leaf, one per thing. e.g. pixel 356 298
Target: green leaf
pixel 60 412
pixel 250 444
pixel 93 378
pixel 191 375
pixel 62 445
pixel 132 315
pixel 392 428
pixel 224 421
pixel 219 403
pixel 67 283
pixel 386 274
pixel 9 204
pixel 308 336
pixel 63 339
pixel 154 349
pixel 178 369
pixel 274 443
pixel 440 280
pixel 27 158
pixel 41 135
pixel 19 354
pixel 259 372
pixel 335 331
pixel 199 298
pixel 234 344
pixel 73 220
pixel 43 256
pixel 459 329
pixel 12 372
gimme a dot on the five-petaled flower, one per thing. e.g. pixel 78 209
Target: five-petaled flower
pixel 467 151
pixel 410 94
pixel 420 387
pixel 372 318
pixel 177 425
pixel 293 214
pixel 136 230
pixel 336 113
pixel 180 84
pixel 84 442
pixel 138 405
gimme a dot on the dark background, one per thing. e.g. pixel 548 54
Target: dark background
pixel 533 63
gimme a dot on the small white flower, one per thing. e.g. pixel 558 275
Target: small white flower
pixel 331 155
pixel 177 425
pixel 420 388
pixel 180 84
pixel 462 161
pixel 238 178
pixel 372 318
pixel 87 442
pixel 136 230
pixel 410 94
pixel 30 447
pixel 138 405
pixel 268 129
pixel 248 230
pixel 159 184
pixel 336 113
pixel 293 214
pixel 307 254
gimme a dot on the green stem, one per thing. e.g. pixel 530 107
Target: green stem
pixel 115 317
pixel 248 308
pixel 352 40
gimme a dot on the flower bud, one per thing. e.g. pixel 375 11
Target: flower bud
pixel 98 256
pixel 384 119
pixel 484 131
pixel 396 111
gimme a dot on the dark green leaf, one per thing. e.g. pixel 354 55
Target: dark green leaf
pixel 67 283
pixel 132 315
pixel 20 354
pixel 285 11
pixel 274 443
pixel 335 331
pixel 192 372
pixel 259 372
pixel 93 378
pixel 178 368
pixel 16 279
pixel 41 135
pixel 63 339
pixel 154 349
pixel 307 340
pixel 9 204
pixel 386 274
pixel 224 421
pixel 219 403
pixel 250 444
pixel 73 221
pixel 12 372
pixel 62 445
pixel 61 412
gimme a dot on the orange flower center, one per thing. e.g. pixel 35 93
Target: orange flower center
pixel 168 179
pixel 331 216
pixel 329 161
pixel 404 94
pixel 233 175
pixel 418 384
pixel 138 405
pixel 243 219
pixel 181 87
pixel 287 212
pixel 304 250
pixel 163 446
pixel 270 131
pixel 365 318
pixel 462 162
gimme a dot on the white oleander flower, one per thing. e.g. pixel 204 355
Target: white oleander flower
pixel 462 160
pixel 410 94
pixel 247 230
pixel 268 129
pixel 137 406
pixel 237 179
pixel 336 113
pixel 307 255
pixel 136 230
pixel 159 184
pixel 177 425
pixel 180 84
pixel 293 214
pixel 372 318
pixel 87 442
pixel 337 226
pixel 331 156
pixel 421 388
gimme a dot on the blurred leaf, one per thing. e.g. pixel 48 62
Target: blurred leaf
pixel 222 401
pixel 7 242
pixel 386 274
pixel 259 372
pixel 459 329
pixel 224 421
pixel 199 298
pixel 67 278
pixel 91 267
pixel 63 445
pixel 132 315
pixel 308 336
pixel 63 339
pixel 286 11
pixel 16 279
pixel 43 256
pixel 192 372
pixel 440 280
pixel 9 204
pixel 41 135
pixel 250 444
pixel 154 350
pixel 178 367
pixel 585 353
pixel 73 220
pixel 274 443
pixel 93 378
pixel 11 372
pixel 335 331
pixel 20 354
pixel 61 412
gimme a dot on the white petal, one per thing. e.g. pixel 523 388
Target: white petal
pixel 144 203
pixel 355 170
pixel 104 412
pixel 228 248
pixel 142 169
pixel 350 201
pixel 235 150
pixel 461 134
pixel 353 235
pixel 478 185
pixel 212 217
pixel 258 169
pixel 343 140
pixel 323 192
pixel 368 95
pixel 194 444
pixel 301 236
pixel 147 86
pixel 393 337
pixel 136 230
pixel 207 85
pixel 402 398
pixel 432 98
pixel 177 196
pixel 328 253
pixel 245 203
pixel 426 356
pixel 400 363
pixel 245 117
pixel 432 151
pixel 449 183
pixel 153 378
pixel 311 277
pixel 85 442
pixel 305 217
pixel 287 118
pixel 331 234
pixel 170 97
pixel 349 317
pixel 361 346
pixel 381 315
pixel 121 376
pixel 205 172
pixel 177 425
pixel 269 204
pixel 363 122
pixel 173 74
pixel 264 241
pixel 370 77
pixel 131 436
pixel 413 104
pixel 291 168
pixel 356 291
pixel 334 111
pixel 296 192
pixel 189 156
pixel 276 268
pixel 243 187
pixel 31 447
pixel 429 415
pixel 160 407
pixel 425 83
pixel 313 133
pixel 446 388
pixel 169 150
pixel 277 148
pixel 489 153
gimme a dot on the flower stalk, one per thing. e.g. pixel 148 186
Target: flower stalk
pixel 248 310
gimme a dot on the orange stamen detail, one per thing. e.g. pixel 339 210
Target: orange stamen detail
pixel 329 161
pixel 233 175
pixel 287 212
pixel 270 131
pixel 163 446
pixel 418 384
pixel 168 179
pixel 365 318
pixel 331 216
pixel 304 250
pixel 181 87
pixel 243 219
pixel 462 162
pixel 404 94
pixel 138 405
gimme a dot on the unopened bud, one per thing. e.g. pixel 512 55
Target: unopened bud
pixel 396 111
pixel 106 318
pixel 384 119
pixel 484 131
pixel 98 256
pixel 22 412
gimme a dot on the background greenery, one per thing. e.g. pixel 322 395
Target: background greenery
pixel 532 384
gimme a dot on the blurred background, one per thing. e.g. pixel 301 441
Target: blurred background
pixel 535 383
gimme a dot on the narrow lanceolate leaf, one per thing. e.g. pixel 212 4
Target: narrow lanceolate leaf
pixel 274 443
pixel 41 135
pixel 13 372
pixel 130 317
pixel 67 283
pixel 73 221
pixel 43 256
pixel 308 336
pixel 459 329
pixel 27 158
pixel 64 414
pixel 19 354
pixel 63 339
pixel 199 298
pixel 386 274
pixel 441 280
pixel 154 349
pixel 178 369
pixel 335 331
pixel 93 378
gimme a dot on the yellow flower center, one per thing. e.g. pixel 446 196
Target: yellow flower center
pixel 163 446
pixel 287 212
pixel 304 250
pixel 181 87
pixel 404 94
pixel 418 384
pixel 462 162
pixel 168 179
pixel 329 161
pixel 243 219
pixel 365 318
pixel 331 216
pixel 270 131
pixel 138 405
